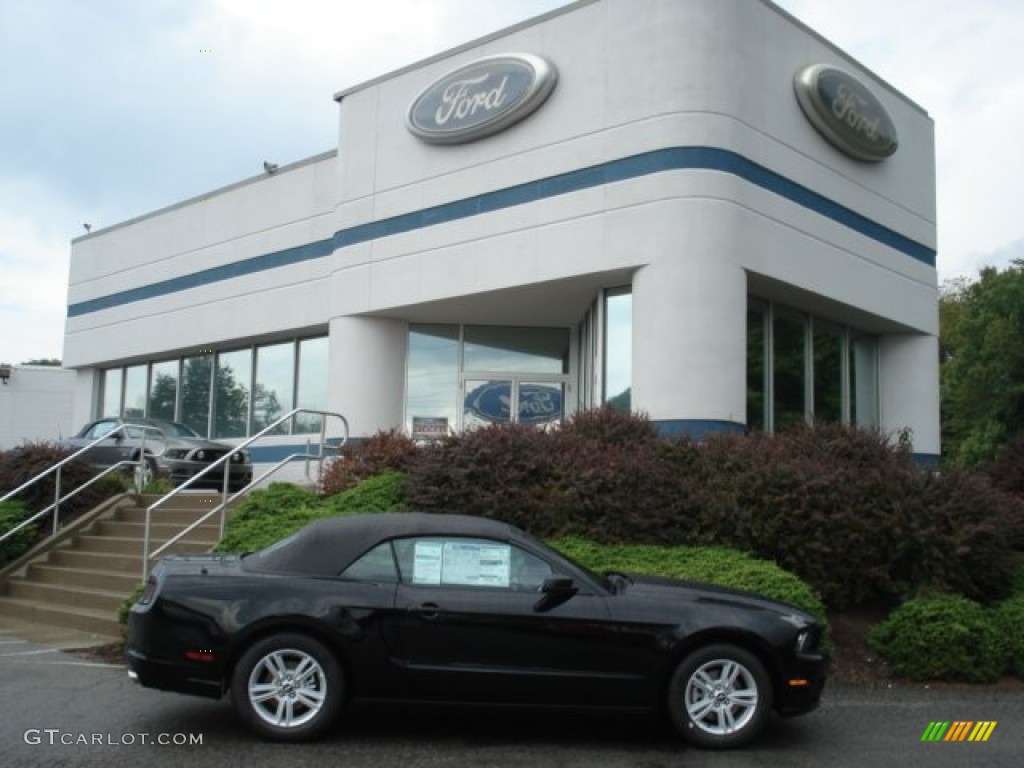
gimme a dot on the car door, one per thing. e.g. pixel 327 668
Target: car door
pixel 476 627
pixel 111 450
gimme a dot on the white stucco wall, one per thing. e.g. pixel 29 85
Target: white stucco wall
pixel 635 76
pixel 37 404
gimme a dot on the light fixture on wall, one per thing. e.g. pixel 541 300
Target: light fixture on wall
pixel 5 372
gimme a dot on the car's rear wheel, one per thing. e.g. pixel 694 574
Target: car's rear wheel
pixel 288 687
pixel 719 697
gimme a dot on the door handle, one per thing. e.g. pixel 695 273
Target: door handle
pixel 428 611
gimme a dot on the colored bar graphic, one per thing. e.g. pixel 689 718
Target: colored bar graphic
pixel 958 730
pixel 935 731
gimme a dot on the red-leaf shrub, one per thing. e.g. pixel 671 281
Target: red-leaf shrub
pixel 382 452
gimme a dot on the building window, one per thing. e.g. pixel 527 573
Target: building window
pixel 432 379
pixel 618 348
pixel 504 349
pixel 465 376
pixel 789 369
pixel 163 390
pixel 312 392
pixel 110 402
pixel 196 377
pixel 274 389
pixel 864 380
pixel 135 391
pixel 216 395
pixel 757 356
pixel 801 368
pixel 231 395
pixel 828 371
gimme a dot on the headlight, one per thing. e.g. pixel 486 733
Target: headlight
pixel 201 455
pixel 807 642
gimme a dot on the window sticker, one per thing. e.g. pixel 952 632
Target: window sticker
pixel 476 564
pixel 426 566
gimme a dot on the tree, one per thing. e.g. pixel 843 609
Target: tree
pixel 52 362
pixel 982 348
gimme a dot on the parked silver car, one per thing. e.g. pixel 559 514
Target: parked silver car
pixel 173 450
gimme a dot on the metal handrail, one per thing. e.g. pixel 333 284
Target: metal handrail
pixel 55 507
pixel 225 460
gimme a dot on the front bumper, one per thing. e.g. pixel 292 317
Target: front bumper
pixel 799 690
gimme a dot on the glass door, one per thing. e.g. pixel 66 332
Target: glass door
pixel 526 399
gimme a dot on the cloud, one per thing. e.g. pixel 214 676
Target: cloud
pixel 34 264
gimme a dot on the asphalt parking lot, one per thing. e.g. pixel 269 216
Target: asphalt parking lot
pixel 64 709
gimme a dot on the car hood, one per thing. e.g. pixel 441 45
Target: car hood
pixel 660 589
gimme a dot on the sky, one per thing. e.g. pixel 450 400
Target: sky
pixel 110 109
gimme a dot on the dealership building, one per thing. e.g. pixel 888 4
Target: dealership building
pixel 698 209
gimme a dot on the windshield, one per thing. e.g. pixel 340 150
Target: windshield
pixel 171 428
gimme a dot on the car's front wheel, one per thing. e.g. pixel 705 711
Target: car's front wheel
pixel 288 687
pixel 719 696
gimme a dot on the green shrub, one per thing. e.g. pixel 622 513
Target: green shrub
pixel 1010 617
pixel 379 493
pixel 267 516
pixel 714 565
pixel 11 514
pixel 125 609
pixel 946 637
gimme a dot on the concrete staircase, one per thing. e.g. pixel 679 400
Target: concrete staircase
pixel 81 583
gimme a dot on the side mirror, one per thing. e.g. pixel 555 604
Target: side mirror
pixel 554 591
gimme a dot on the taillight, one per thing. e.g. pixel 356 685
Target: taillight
pixel 150 591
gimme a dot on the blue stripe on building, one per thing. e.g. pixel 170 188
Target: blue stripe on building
pixel 633 167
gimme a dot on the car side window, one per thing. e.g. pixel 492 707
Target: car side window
pixel 376 565
pixel 451 561
pixel 100 429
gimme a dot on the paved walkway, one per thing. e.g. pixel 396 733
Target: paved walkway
pixel 15 632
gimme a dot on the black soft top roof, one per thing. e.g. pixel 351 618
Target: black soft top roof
pixel 327 547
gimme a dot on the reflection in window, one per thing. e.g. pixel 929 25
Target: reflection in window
pixel 433 376
pixel 231 401
pixel 135 391
pixel 815 369
pixel 828 372
pixel 864 381
pixel 618 353
pixel 196 376
pixel 789 347
pixel 312 384
pixel 163 390
pixel 516 350
pixel 757 382
pixel 111 405
pixel 272 396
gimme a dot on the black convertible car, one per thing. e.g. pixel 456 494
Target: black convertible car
pixel 448 608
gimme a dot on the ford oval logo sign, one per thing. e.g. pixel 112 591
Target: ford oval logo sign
pixel 538 403
pixel 846 113
pixel 481 98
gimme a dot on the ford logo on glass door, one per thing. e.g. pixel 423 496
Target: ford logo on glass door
pixel 846 113
pixel 481 98
pixel 538 403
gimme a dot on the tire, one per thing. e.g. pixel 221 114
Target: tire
pixel 719 697
pixel 288 687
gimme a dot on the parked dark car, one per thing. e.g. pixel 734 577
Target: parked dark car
pixel 173 450
pixel 462 610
